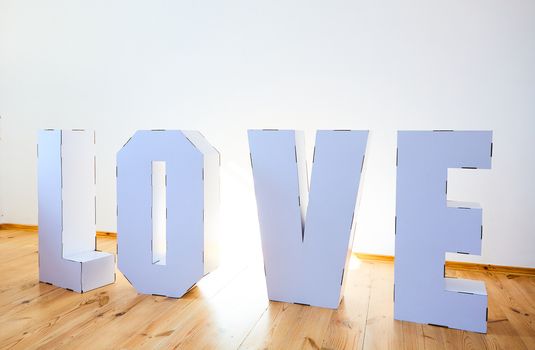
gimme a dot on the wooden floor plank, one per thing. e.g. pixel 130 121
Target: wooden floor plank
pixel 228 309
pixel 382 331
pixel 518 310
pixel 348 323
pixel 500 332
pixel 413 336
pixel 261 335
pixel 289 326
pixel 183 314
pixel 224 320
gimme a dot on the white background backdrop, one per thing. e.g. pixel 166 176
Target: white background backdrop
pixel 222 67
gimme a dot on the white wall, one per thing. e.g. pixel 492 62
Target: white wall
pixel 224 66
pixel 2 165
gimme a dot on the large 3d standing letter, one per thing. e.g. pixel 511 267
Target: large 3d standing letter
pixel 167 206
pixel 66 179
pixel 306 242
pixel 428 226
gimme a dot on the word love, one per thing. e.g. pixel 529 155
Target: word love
pixel 168 203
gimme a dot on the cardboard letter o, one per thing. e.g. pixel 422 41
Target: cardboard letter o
pixel 184 205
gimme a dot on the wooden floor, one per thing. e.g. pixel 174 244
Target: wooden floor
pixel 229 310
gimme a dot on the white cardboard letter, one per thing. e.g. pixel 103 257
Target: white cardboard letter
pixel 428 226
pixel 66 184
pixel 167 207
pixel 306 243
